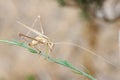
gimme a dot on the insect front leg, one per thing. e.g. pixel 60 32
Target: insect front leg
pixel 47 51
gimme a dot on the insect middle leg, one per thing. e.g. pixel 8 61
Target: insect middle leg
pixel 47 51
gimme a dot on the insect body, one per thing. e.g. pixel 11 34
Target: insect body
pixel 42 40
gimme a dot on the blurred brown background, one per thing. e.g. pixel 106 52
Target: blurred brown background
pixel 61 24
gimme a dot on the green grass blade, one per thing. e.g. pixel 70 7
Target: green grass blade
pixel 45 55
pixel 20 44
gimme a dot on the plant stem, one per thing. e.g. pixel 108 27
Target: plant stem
pixel 45 55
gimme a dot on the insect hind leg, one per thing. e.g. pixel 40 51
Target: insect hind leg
pixel 33 24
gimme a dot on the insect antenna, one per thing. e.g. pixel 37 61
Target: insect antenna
pixel 88 50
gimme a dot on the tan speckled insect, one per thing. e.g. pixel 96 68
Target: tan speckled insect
pixel 40 39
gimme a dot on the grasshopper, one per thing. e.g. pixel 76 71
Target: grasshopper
pixel 40 39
